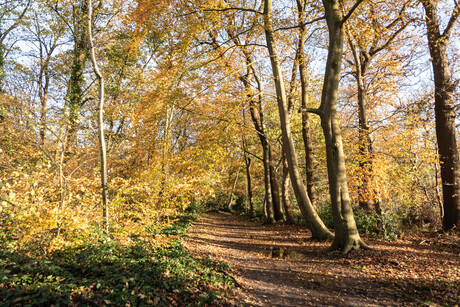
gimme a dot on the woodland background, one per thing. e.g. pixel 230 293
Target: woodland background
pixel 191 117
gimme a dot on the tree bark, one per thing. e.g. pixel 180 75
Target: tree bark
pixel 43 86
pixel 346 232
pixel 285 193
pixel 247 162
pixel 444 112
pixel 103 154
pixel 80 54
pixel 257 116
pixel 274 185
pixel 314 223
pixel 304 86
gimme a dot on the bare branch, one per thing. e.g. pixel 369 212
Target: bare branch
pixel 355 6
pixel 301 24
pixel 16 23
pixel 242 9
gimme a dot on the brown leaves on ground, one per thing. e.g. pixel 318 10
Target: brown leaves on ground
pixel 279 265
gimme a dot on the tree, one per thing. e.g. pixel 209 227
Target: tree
pixel 255 98
pixel 304 85
pixel 366 43
pixel 103 154
pixel 346 232
pixel 444 87
pixel 9 8
pixel 80 55
pixel 46 39
pixel 317 227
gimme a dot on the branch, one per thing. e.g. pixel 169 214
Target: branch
pixel 302 24
pixel 372 52
pixel 15 24
pixel 452 20
pixel 352 10
pixel 242 9
pixel 318 112
pixel 251 154
pixel 222 10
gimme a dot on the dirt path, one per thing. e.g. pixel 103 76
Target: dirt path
pixel 278 265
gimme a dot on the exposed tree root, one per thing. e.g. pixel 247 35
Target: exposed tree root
pixel 351 244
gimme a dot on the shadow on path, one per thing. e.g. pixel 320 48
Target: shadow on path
pixel 278 265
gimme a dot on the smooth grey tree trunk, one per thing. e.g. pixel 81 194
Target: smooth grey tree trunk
pixel 285 192
pixel 346 231
pixel 314 223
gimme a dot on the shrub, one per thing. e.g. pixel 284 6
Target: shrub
pixel 388 226
pixel 423 216
pixel 325 213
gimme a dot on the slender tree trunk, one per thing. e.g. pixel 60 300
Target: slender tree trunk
pixel 275 189
pixel 247 161
pixel 346 232
pixel 444 112
pixel 257 116
pixel 2 68
pixel 103 154
pixel 317 227
pixel 366 196
pixel 285 192
pixel 304 86
pixel 269 214
pixel 43 86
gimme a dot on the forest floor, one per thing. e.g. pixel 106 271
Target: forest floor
pixel 279 265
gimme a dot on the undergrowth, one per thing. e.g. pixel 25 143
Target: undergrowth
pixel 105 272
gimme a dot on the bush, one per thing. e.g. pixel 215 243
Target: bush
pixel 240 204
pixel 110 273
pixel 325 213
pixel 388 226
pixel 423 216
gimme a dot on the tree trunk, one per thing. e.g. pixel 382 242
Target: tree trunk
pixel 317 227
pixel 76 82
pixel 275 189
pixel 247 162
pixel 366 195
pixel 103 155
pixel 43 87
pixel 269 214
pixel 304 86
pixel 346 232
pixel 285 193
pixel 444 112
pixel 257 116
pixel 2 67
